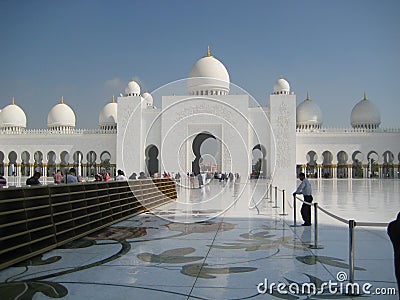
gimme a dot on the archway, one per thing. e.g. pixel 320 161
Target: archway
pixel 342 158
pixel 312 170
pixel 357 170
pixel 373 169
pixel 91 164
pixel 259 162
pixel 198 150
pixel 327 158
pixel 51 163
pixel 25 166
pixel 151 160
pixel 387 166
pixel 12 164
pixel 64 156
pixel 38 164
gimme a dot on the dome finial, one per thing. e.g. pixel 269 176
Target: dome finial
pixel 113 99
pixel 208 51
pixel 62 100
pixel 308 98
pixel 13 101
pixel 365 97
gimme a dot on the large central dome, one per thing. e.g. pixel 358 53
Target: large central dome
pixel 208 76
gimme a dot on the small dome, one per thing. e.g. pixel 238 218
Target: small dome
pixel 108 115
pixel 308 114
pixel 365 114
pixel 12 116
pixel 132 88
pixel 281 87
pixel 61 116
pixel 148 98
pixel 208 76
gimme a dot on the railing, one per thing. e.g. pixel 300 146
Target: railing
pixel 36 219
pixel 352 224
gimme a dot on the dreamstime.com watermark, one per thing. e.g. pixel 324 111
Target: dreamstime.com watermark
pixel 329 287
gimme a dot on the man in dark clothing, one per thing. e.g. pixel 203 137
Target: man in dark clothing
pixel 34 180
pixel 393 231
pixel 305 189
pixel 3 181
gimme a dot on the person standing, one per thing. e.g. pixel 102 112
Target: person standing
pixel 71 176
pixel 393 230
pixel 305 189
pixel 121 176
pixel 34 180
pixel 58 177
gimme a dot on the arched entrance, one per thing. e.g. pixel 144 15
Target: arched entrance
pixel 327 164
pixel 373 169
pixel 342 158
pixel 25 165
pixel 259 162
pixel 51 163
pixel 151 159
pixel 38 164
pixel 357 169
pixel 198 151
pixel 388 166
pixel 12 164
pixel 311 170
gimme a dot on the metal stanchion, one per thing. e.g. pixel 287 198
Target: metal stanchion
pixel 276 198
pixel 352 224
pixel 283 204
pixel 294 213
pixel 270 193
pixel 315 246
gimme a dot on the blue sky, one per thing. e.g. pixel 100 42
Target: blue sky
pixel 88 50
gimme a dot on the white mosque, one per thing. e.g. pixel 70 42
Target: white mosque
pixel 135 136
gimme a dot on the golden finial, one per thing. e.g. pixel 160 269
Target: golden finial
pixel 62 100
pixel 365 97
pixel 208 51
pixel 308 98
pixel 281 77
pixel 12 101
pixel 113 99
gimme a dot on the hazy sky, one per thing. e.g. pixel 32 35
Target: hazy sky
pixel 87 51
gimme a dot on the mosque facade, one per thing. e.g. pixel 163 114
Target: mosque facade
pixel 135 136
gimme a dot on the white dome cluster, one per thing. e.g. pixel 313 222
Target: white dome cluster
pixel 148 98
pixel 12 118
pixel 365 114
pixel 61 117
pixel 208 76
pixel 308 115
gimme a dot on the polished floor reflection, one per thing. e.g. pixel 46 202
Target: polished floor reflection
pixel 223 241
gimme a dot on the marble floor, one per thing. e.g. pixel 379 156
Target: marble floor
pixel 225 241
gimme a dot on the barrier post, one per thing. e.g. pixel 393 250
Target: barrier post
pixel 283 204
pixel 276 198
pixel 352 224
pixel 270 193
pixel 316 246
